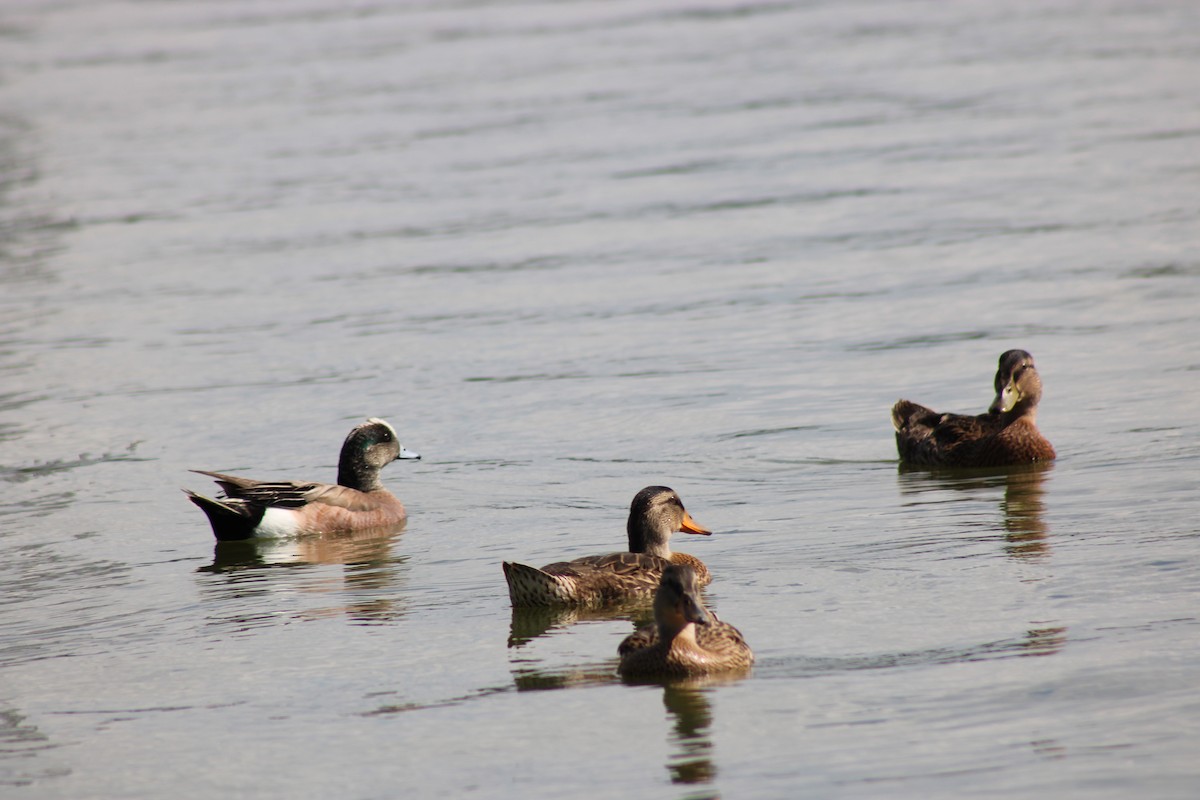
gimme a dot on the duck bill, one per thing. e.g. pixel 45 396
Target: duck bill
pixel 405 454
pixel 694 611
pixel 691 526
pixel 1005 400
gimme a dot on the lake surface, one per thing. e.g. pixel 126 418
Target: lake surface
pixel 570 250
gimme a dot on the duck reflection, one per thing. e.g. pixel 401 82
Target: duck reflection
pixel 23 742
pixel 1022 506
pixel 1043 641
pixel 530 673
pixel 528 623
pixel 243 570
pixel 691 758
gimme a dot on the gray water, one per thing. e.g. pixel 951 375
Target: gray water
pixel 571 249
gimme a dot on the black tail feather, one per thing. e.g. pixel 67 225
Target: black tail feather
pixel 231 520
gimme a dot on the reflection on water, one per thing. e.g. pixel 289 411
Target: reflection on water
pixel 1022 506
pixel 530 672
pixel 356 547
pixel 19 742
pixel 691 758
pixel 255 569
pixel 535 679
pixel 579 244
pixel 1044 641
pixel 529 623
pixel 1050 749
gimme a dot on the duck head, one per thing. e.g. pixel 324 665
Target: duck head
pixel 369 448
pixel 655 514
pixel 677 602
pixel 1018 385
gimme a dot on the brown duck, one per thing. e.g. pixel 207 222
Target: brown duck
pixel 656 513
pixel 1007 434
pixel 685 639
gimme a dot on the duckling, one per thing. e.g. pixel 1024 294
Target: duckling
pixel 674 647
pixel 358 500
pixel 655 513
pixel 1004 436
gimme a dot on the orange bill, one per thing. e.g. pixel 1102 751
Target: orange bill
pixel 691 526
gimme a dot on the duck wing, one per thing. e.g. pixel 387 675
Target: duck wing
pixel 617 565
pixel 284 494
pixel 928 437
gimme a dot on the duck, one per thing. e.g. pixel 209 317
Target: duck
pixel 250 509
pixel 1005 435
pixel 686 639
pixel 655 513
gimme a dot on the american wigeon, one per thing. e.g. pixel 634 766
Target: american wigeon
pixel 358 501
pixel 1006 435
pixel 656 513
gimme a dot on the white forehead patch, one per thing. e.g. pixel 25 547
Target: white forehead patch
pixel 386 424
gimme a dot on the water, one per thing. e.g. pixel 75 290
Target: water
pixel 570 250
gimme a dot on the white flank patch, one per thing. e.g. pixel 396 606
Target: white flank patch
pixel 278 522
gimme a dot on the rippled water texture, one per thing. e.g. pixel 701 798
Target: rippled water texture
pixel 570 250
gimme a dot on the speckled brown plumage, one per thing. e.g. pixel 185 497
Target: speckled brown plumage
pixel 1007 434
pixel 655 513
pixel 686 639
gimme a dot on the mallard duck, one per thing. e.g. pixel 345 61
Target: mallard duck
pixel 1006 435
pixel 674 647
pixel 358 501
pixel 656 513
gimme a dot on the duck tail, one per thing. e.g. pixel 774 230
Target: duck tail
pixel 529 586
pixel 902 412
pixel 231 520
